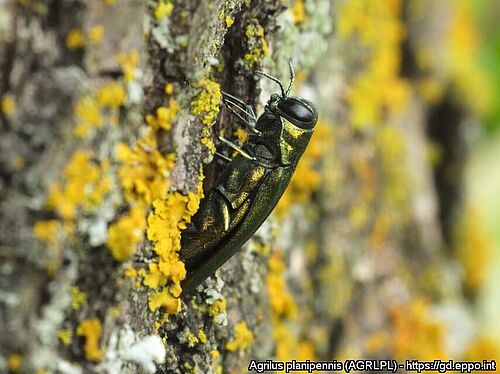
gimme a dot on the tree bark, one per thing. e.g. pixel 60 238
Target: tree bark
pixel 111 107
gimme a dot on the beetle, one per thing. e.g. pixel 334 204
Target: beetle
pixel 251 184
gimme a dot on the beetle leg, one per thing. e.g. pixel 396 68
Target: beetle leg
pixel 248 124
pixel 236 148
pixel 232 103
pixel 248 108
pixel 243 107
pixel 225 158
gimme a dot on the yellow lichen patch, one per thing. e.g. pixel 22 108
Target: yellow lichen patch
pixel 473 248
pixel 8 105
pixel 415 333
pixel 84 186
pixel 165 222
pixel 257 44
pixel 126 233
pixel 283 310
pixel 130 272
pixel 91 330
pixel 48 232
pixel 229 21
pixel 241 134
pixel 483 348
pixel 78 297
pixel 202 336
pixel 216 367
pixel 111 95
pixel 242 339
pixel 15 361
pixel 163 9
pixel 129 63
pixel 96 34
pixel 378 89
pixel 144 171
pixel 165 299
pixel 462 58
pixel 65 336
pixel 164 116
pixel 169 88
pixel 206 104
pixel 89 116
pixel 281 301
pixel 75 39
pixel 306 179
pixel 298 12
pixel 110 2
pixel 219 306
pixel 376 342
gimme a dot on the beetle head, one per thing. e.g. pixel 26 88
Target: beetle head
pixel 300 112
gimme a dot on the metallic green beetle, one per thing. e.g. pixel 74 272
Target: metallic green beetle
pixel 251 185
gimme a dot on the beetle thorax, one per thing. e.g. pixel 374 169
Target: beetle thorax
pixel 292 141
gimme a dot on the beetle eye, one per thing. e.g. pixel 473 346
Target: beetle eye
pixel 296 109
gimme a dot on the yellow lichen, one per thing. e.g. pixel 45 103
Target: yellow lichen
pixel 96 34
pixel 130 272
pixel 163 9
pixel 379 28
pixel 257 44
pixel 126 233
pixel 483 348
pixel 8 105
pixel 91 330
pixel 89 116
pixel 111 95
pixel 242 339
pixel 48 232
pixel 165 222
pixel 207 102
pixel 15 361
pixel 169 88
pixel 283 310
pixel 78 297
pixel 218 307
pixel 84 186
pixel 281 301
pixel 192 340
pixel 75 39
pixel 462 58
pixel 129 63
pixel 165 299
pixel 298 12
pixel 241 134
pixel 65 336
pixel 473 248
pixel 216 366
pixel 144 171
pixel 202 336
pixel 415 333
pixel 229 21
pixel 164 116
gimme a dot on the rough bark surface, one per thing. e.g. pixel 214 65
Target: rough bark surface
pixel 358 253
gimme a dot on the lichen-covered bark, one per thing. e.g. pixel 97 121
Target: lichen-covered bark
pixel 109 121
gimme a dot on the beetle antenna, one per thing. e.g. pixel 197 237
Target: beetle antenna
pixel 292 78
pixel 274 80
